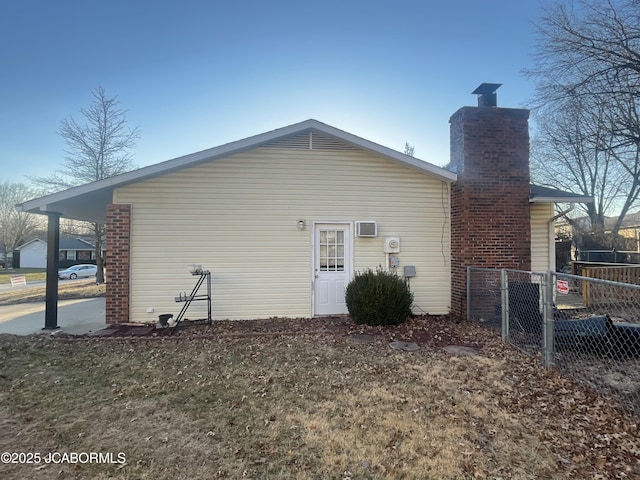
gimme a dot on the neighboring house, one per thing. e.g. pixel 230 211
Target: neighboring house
pixel 629 229
pixel 284 220
pixel 33 254
pixel 599 250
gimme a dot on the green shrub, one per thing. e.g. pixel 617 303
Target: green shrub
pixel 378 298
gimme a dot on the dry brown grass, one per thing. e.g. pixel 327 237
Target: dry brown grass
pixel 76 289
pixel 312 405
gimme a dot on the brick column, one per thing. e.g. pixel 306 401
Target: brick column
pixel 490 212
pixel 118 262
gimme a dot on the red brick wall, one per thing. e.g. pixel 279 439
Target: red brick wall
pixel 490 213
pixel 118 257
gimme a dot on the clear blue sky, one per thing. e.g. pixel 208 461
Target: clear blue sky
pixel 196 74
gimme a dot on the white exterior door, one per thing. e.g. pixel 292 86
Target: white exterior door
pixel 332 267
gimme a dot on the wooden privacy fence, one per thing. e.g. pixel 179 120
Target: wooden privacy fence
pixel 595 293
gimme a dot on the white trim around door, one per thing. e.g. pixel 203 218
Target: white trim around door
pixel 332 266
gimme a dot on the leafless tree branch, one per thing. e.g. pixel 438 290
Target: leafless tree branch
pixel 97 148
pixel 587 73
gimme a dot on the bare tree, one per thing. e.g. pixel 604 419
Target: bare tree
pixel 15 226
pixel 98 148
pixel 592 48
pixel 587 72
pixel 78 228
pixel 408 149
pixel 567 153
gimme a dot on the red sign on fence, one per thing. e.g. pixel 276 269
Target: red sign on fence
pixel 562 286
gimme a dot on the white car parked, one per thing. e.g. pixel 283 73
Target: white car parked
pixel 78 271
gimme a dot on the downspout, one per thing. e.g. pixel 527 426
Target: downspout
pixel 552 239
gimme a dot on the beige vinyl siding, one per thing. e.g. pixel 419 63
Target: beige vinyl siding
pixel 541 213
pixel 238 217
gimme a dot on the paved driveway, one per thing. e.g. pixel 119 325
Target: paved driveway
pixel 74 317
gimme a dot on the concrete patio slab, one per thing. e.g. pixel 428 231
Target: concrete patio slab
pixel 75 317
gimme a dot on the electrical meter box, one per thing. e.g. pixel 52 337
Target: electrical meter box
pixel 391 244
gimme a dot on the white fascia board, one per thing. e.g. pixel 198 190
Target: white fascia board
pixel 561 200
pixel 20 247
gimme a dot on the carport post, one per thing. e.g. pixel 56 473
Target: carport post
pixel 53 248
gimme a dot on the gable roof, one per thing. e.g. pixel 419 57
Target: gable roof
pixel 75 243
pixel 540 194
pixel 630 220
pixel 33 240
pixel 66 243
pixel 89 201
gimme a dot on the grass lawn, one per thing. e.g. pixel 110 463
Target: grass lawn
pixel 31 274
pixel 66 290
pixel 301 399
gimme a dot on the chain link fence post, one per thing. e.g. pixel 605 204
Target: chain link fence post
pixel 548 323
pixel 468 293
pixel 504 301
pixel 587 328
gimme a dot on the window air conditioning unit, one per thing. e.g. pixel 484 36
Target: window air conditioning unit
pixel 391 244
pixel 366 229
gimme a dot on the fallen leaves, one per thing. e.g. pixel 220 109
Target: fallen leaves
pixel 290 396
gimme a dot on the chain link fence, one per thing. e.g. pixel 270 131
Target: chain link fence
pixel 585 327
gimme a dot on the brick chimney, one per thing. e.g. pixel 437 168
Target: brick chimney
pixel 490 213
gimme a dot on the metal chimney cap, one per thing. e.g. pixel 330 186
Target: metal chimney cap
pixel 487 88
pixel 487 96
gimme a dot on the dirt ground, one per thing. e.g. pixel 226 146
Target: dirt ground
pixel 428 332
